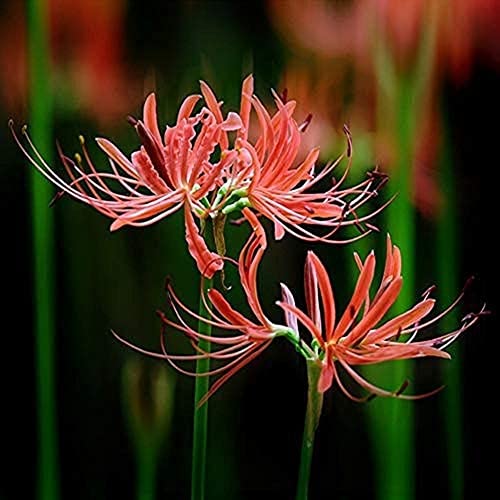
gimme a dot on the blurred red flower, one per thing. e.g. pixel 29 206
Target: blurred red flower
pixel 87 48
pixel 343 40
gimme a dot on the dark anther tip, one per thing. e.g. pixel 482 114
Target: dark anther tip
pixel 429 290
pixel 305 124
pixel 168 282
pixel 132 120
pixel 469 282
pixel 403 387
pixel 57 197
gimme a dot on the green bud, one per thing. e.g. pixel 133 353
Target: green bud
pixel 148 400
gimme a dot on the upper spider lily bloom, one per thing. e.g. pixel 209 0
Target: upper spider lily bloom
pixel 163 176
pixel 269 178
pixel 246 338
pixel 360 336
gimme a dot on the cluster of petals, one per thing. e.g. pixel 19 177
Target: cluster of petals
pixel 268 178
pixel 246 338
pixel 167 173
pixel 360 336
pixel 207 165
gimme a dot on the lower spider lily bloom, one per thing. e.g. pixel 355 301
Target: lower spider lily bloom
pixel 247 337
pixel 163 176
pixel 360 336
pixel 269 178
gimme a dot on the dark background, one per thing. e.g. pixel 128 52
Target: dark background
pixel 116 280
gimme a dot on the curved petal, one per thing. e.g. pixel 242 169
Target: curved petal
pixel 326 376
pixel 246 106
pixel 326 291
pixel 148 173
pixel 208 262
pixel 375 313
pixel 150 118
pixel 290 318
pixel 358 297
pixel 226 310
pixel 400 322
pixel 187 107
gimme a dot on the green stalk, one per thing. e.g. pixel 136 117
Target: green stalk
pixel 146 471
pixel 200 421
pixel 43 251
pixel 393 419
pixel 447 265
pixel 313 414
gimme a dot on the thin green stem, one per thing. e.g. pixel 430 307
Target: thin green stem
pixel 200 421
pixel 447 265
pixel 313 413
pixel 392 420
pixel 146 472
pixel 43 251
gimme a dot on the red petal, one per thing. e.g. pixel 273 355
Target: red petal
pixel 148 173
pixel 208 262
pixel 327 297
pixel 150 119
pixel 376 312
pixel 187 107
pixel 358 297
pixel 224 308
pixel 326 377
pixel 246 105
pixel 399 322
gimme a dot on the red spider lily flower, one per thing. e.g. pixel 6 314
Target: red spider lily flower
pixel 360 336
pixel 163 176
pixel 268 178
pixel 247 337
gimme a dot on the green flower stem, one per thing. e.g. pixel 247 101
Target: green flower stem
pixel 393 420
pixel 43 251
pixel 201 413
pixel 146 471
pixel 313 413
pixel 447 265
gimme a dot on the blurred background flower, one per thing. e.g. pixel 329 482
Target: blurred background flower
pixel 425 70
pixel 91 72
